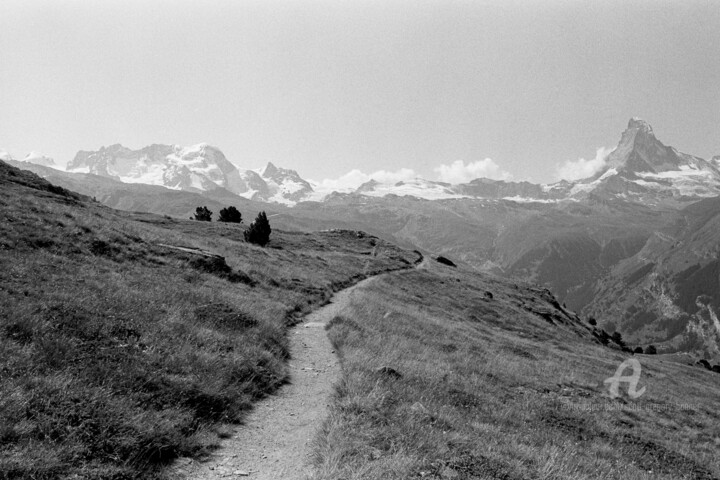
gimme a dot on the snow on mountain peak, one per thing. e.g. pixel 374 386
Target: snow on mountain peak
pixel 39 159
pixel 640 124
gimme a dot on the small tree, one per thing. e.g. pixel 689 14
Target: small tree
pixel 617 338
pixel 638 350
pixel 259 230
pixel 230 215
pixel 592 321
pixel 202 214
pixel 651 350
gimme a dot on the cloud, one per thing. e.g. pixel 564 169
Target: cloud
pixel 459 172
pixel 582 168
pixel 354 178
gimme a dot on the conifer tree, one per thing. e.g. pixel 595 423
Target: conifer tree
pixel 259 230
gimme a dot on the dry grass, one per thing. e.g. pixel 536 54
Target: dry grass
pixel 507 387
pixel 117 354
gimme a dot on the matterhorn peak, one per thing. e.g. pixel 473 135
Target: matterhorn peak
pixel 639 124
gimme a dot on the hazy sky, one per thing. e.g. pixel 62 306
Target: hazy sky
pixel 442 89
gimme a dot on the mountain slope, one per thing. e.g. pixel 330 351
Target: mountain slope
pixel 451 374
pixel 669 292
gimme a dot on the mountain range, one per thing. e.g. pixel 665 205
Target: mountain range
pixel 640 169
pixel 198 168
pixel 634 246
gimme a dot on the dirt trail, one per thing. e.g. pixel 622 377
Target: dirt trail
pixel 273 444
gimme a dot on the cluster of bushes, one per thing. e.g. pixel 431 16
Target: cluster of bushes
pixel 258 232
pixel 228 215
pixel 704 363
pixel 605 338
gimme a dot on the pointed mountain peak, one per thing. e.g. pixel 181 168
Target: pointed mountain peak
pixel 269 170
pixel 640 125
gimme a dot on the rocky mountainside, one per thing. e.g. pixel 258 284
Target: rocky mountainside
pixel 669 291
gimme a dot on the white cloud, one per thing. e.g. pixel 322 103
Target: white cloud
pixel 354 178
pixel 582 168
pixel 459 172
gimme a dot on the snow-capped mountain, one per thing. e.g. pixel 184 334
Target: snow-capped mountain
pixel 640 169
pixel 197 168
pixel 285 184
pixel 643 169
pixel 39 159
pixel 33 157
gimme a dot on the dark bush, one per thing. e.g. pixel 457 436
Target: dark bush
pixel 638 350
pixel 602 336
pixel 216 265
pixel 101 247
pixel 704 363
pixel 230 215
pixel 592 321
pixel 617 338
pixel 445 261
pixel 651 350
pixel 716 368
pixel 259 230
pixel 203 214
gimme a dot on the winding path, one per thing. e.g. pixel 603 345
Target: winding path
pixel 274 441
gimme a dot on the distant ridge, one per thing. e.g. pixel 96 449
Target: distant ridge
pixel 640 169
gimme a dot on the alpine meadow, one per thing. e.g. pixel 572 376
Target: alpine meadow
pixel 359 240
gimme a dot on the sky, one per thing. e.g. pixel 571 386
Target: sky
pixel 344 90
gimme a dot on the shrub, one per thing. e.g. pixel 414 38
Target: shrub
pixel 445 261
pixel 259 230
pixel 704 363
pixel 602 336
pixel 203 214
pixel 651 350
pixel 230 215
pixel 617 338
pixel 592 321
pixel 638 350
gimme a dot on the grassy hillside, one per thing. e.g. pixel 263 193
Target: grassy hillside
pixel 128 339
pixel 450 374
